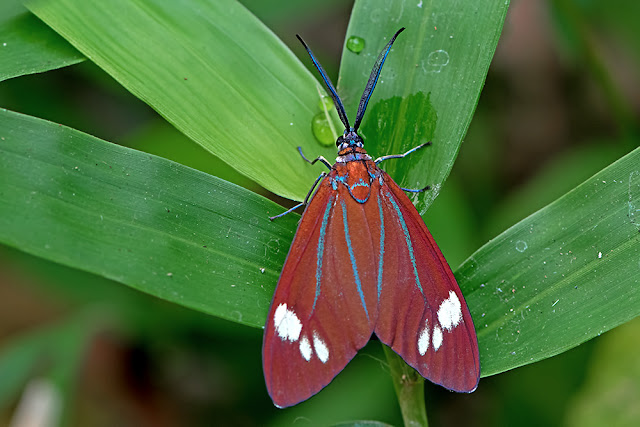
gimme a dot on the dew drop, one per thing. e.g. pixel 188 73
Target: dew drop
pixel 521 246
pixel 325 103
pixel 321 130
pixel 355 44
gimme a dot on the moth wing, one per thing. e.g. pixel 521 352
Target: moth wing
pixel 422 313
pixel 322 311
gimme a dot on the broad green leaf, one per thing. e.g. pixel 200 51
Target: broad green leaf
pixel 159 321
pixel 430 83
pixel 147 222
pixel 562 276
pixel 263 97
pixel 211 69
pixel 558 278
pixel 28 46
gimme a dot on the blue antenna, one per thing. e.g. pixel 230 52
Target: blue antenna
pixel 373 79
pixel 368 90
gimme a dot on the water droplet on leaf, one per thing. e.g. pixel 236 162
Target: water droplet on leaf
pixel 325 102
pixel 355 44
pixel 321 130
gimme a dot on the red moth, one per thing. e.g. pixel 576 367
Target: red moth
pixel 363 262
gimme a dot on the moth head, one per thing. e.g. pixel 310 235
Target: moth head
pixel 349 139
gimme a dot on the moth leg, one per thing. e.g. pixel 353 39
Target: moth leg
pixel 419 190
pixel 400 156
pixel 306 199
pixel 317 159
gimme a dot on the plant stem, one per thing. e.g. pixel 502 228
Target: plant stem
pixel 409 387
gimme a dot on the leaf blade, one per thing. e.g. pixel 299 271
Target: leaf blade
pixel 144 221
pixel 212 70
pixel 561 276
pixel 430 84
pixel 28 46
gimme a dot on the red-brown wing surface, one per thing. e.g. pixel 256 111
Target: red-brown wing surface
pixel 422 313
pixel 325 304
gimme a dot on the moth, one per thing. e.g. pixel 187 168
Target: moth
pixel 363 262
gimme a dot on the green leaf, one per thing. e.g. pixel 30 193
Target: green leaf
pixel 27 46
pixel 244 85
pixel 211 69
pixel 561 276
pixel 147 222
pixel 558 278
pixel 430 83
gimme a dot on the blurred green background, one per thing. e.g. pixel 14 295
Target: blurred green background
pixel 560 103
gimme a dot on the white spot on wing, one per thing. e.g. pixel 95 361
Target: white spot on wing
pixel 423 339
pixel 450 312
pixel 305 348
pixel 321 348
pixel 287 324
pixel 437 337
